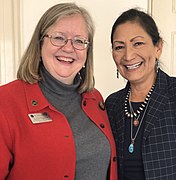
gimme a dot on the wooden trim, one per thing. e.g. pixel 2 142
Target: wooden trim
pixel 9 39
pixel 150 6
pixel 173 52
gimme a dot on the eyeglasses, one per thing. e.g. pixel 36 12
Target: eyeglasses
pixel 59 40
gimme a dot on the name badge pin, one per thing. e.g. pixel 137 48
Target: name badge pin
pixel 39 117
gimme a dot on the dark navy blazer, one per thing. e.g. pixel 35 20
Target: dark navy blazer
pixel 159 138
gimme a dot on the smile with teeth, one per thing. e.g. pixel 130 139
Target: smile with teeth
pixel 133 66
pixel 64 59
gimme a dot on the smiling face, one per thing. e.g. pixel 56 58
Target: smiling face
pixel 134 53
pixel 63 63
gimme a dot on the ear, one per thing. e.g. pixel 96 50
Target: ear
pixel 159 48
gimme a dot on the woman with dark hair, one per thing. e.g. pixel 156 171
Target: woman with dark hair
pixel 143 114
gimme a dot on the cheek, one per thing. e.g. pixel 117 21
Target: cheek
pixel 82 56
pixel 48 50
pixel 151 53
pixel 116 58
pixel 47 54
pixel 152 57
pixel 44 50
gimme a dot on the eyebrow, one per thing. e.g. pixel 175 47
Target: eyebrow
pixel 136 38
pixel 121 42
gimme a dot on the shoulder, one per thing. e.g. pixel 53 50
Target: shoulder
pixel 114 102
pixel 115 97
pixel 164 81
pixel 11 87
pixel 11 94
pixel 16 91
pixel 11 84
pixel 171 89
pixel 97 93
pixel 94 94
pixel 171 82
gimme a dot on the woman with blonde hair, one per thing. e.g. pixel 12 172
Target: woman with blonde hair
pixel 53 124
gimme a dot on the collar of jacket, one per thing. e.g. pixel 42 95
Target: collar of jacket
pixel 37 101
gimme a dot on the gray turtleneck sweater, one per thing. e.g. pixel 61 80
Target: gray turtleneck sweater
pixel 92 146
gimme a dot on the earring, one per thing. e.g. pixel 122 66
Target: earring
pixel 117 75
pixel 79 74
pixel 157 65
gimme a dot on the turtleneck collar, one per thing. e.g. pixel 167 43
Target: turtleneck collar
pixel 49 83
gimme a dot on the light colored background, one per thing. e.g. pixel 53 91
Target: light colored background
pixel 104 14
pixel 18 19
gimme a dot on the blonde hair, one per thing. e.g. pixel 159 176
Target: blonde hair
pixel 29 67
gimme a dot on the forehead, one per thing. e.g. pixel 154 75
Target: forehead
pixel 74 23
pixel 129 30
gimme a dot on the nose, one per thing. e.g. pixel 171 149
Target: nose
pixel 129 53
pixel 68 45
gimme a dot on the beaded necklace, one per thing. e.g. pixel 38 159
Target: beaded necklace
pixel 141 107
pixel 133 138
pixel 135 115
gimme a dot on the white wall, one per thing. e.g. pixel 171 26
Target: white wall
pixel 167 29
pixel 104 13
pixel 9 40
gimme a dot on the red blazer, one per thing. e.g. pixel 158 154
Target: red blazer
pixel 45 150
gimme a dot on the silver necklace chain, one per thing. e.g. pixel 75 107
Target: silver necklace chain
pixel 136 115
pixel 131 146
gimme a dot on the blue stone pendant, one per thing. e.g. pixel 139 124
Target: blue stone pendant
pixel 131 148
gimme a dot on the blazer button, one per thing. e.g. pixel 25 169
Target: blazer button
pixel 84 103
pixel 102 125
pixel 101 105
pixel 34 103
pixel 114 158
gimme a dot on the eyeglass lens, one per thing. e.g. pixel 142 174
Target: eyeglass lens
pixel 58 39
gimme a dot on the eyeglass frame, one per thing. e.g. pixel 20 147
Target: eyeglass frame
pixel 86 43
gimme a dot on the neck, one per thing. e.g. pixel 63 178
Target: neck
pixel 137 95
pixel 139 90
pixel 143 104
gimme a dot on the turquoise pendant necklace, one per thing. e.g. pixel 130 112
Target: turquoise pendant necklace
pixel 131 146
pixel 135 117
